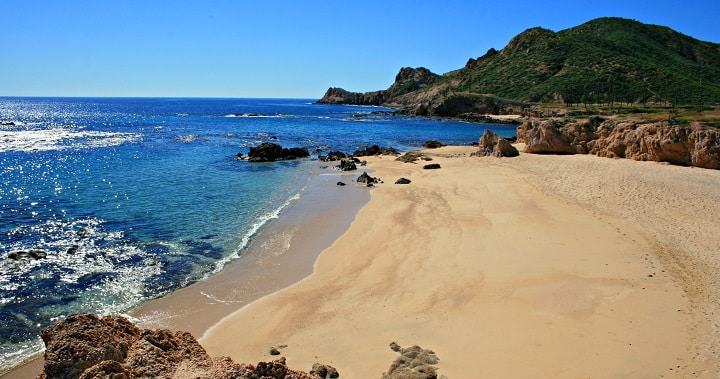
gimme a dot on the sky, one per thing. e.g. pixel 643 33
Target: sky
pixel 280 49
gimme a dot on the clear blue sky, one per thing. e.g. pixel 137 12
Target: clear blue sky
pixel 271 48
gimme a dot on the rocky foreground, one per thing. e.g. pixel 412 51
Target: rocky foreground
pixel 86 346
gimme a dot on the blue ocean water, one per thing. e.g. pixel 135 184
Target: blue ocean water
pixel 107 202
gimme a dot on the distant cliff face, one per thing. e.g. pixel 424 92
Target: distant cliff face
pixel 407 80
pixel 341 96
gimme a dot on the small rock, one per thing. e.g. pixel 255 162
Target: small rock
pixel 324 371
pixel 340 183
pixel 403 181
pixel 367 179
pixel 274 351
pixel 432 144
pixel 432 166
pixel 347 165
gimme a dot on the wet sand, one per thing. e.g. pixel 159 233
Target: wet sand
pixel 282 253
pixel 536 266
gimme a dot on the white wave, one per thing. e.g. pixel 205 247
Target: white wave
pixel 60 139
pixel 254 229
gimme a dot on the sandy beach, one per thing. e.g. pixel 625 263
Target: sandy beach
pixel 536 266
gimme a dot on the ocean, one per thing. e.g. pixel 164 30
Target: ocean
pixel 108 202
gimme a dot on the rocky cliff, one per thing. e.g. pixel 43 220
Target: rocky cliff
pixel 661 141
pixel 406 81
pixel 415 91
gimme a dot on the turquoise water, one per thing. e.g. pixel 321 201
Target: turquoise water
pixel 124 200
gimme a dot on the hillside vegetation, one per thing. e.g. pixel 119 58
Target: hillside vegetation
pixel 608 61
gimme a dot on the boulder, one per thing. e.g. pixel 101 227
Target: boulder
pixel 347 165
pixel 659 141
pixel 324 371
pixel 375 150
pixel 545 138
pixel 333 156
pixel 410 156
pixel 367 179
pixel 414 363
pixel 491 144
pixel 432 144
pixel 270 152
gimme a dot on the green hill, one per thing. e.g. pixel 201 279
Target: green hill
pixel 604 61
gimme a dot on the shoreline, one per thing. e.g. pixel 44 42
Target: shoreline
pixel 282 253
pixel 505 267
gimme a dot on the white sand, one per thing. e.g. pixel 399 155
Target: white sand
pixel 536 266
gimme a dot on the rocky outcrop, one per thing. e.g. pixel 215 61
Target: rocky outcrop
pixel 492 145
pixel 86 346
pixel 368 180
pixel 270 152
pixel 414 363
pixel 375 150
pixel 690 145
pixel 340 96
pixel 407 80
pixel 432 144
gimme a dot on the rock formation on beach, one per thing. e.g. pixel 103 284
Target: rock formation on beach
pixel 86 346
pixel 691 145
pixel 491 144
pixel 414 363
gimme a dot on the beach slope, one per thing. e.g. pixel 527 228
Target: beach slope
pixel 535 266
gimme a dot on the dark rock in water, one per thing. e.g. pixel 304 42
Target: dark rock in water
pixel 32 254
pixel 324 371
pixel 367 179
pixel 375 150
pixel 73 249
pixel 240 156
pixel 432 166
pixel 333 156
pixel 491 144
pixel 432 144
pixel 270 152
pixel 340 183
pixel 403 181
pixel 347 165
pixel 86 346
pixel 414 363
pixel 83 232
